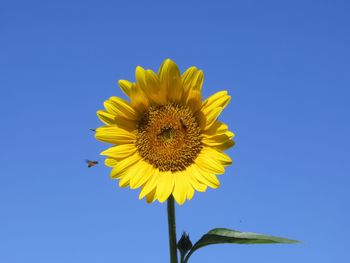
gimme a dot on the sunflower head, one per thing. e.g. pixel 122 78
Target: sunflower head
pixel 166 140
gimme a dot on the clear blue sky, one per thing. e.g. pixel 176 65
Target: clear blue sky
pixel 286 65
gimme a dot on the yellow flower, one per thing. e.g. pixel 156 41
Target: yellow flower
pixel 167 140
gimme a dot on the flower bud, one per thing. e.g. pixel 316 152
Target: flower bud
pixel 184 243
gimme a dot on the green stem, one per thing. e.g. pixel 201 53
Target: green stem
pixel 172 230
pixel 182 257
pixel 187 256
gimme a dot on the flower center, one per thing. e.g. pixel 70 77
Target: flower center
pixel 168 137
pixel 167 134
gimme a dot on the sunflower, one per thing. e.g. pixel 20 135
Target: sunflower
pixel 167 141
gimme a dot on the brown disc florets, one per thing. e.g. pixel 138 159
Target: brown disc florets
pixel 168 137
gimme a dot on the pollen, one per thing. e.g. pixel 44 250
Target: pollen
pixel 168 137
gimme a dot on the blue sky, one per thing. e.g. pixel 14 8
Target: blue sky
pixel 286 65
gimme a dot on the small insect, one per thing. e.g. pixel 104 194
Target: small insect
pixel 166 134
pixel 92 129
pixel 91 163
pixel 183 125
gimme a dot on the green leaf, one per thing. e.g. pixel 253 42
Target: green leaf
pixel 224 235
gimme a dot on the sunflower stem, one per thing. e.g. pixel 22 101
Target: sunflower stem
pixel 172 230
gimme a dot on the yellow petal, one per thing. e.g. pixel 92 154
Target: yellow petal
pixel 205 177
pixel 225 145
pixel 211 108
pixel 209 164
pixel 105 117
pixel 141 78
pixel 148 81
pixel 138 98
pixel 206 120
pixel 128 174
pixel 219 157
pixel 180 187
pixel 120 151
pixel 142 174
pixel 194 100
pixel 125 86
pixel 210 177
pixel 122 108
pixel 151 196
pixel 170 80
pixel 111 120
pixel 150 184
pixel 110 107
pixel 114 135
pixel 124 164
pixel 187 79
pixel 198 186
pixel 192 81
pixel 165 186
pixel 219 99
pixel 126 124
pixel 190 193
pixel 217 140
pixel 216 129
pixel 110 162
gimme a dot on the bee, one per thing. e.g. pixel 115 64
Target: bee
pixel 91 163
pixel 183 125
